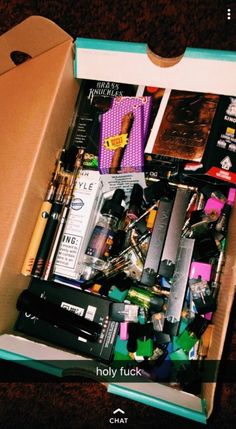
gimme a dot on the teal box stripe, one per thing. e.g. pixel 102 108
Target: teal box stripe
pixel 141 48
pixel 210 54
pixel 159 403
pixel 31 363
pixel 111 45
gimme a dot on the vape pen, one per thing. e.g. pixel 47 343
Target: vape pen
pixel 52 313
pixel 173 235
pixel 157 240
pixel 126 251
pixel 41 222
pixel 57 235
pixel 178 288
pixel 63 217
pixel 49 230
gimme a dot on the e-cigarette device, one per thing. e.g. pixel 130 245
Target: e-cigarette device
pixel 199 278
pixel 41 221
pixel 157 241
pixel 177 219
pixel 59 316
pixel 47 239
pixel 68 317
pixel 178 287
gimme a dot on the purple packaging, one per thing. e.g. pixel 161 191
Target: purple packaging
pixel 122 135
pixel 145 102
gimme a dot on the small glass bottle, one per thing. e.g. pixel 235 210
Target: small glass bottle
pixel 101 240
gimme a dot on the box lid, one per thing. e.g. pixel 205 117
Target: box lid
pixel 33 36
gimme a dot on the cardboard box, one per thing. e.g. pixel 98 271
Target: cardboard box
pixel 37 103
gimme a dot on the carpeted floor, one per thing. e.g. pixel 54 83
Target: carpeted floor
pixel 168 27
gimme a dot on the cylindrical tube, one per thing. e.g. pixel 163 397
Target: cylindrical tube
pixel 36 238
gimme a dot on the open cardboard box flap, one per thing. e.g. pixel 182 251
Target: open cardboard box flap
pixel 37 103
pixel 33 36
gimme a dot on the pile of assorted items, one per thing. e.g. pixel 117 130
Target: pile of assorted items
pixel 129 245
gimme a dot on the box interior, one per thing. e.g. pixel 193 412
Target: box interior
pixel 36 113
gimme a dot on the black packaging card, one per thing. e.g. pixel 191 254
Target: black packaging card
pixel 84 304
pixel 219 158
pixel 185 125
pixel 95 98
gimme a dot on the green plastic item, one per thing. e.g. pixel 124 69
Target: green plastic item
pixel 117 295
pixel 121 346
pixel 119 356
pixel 145 347
pixel 186 340
pixel 179 355
pixel 183 325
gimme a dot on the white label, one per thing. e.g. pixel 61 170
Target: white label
pixel 68 252
pixel 73 308
pixel 90 312
pixel 80 216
